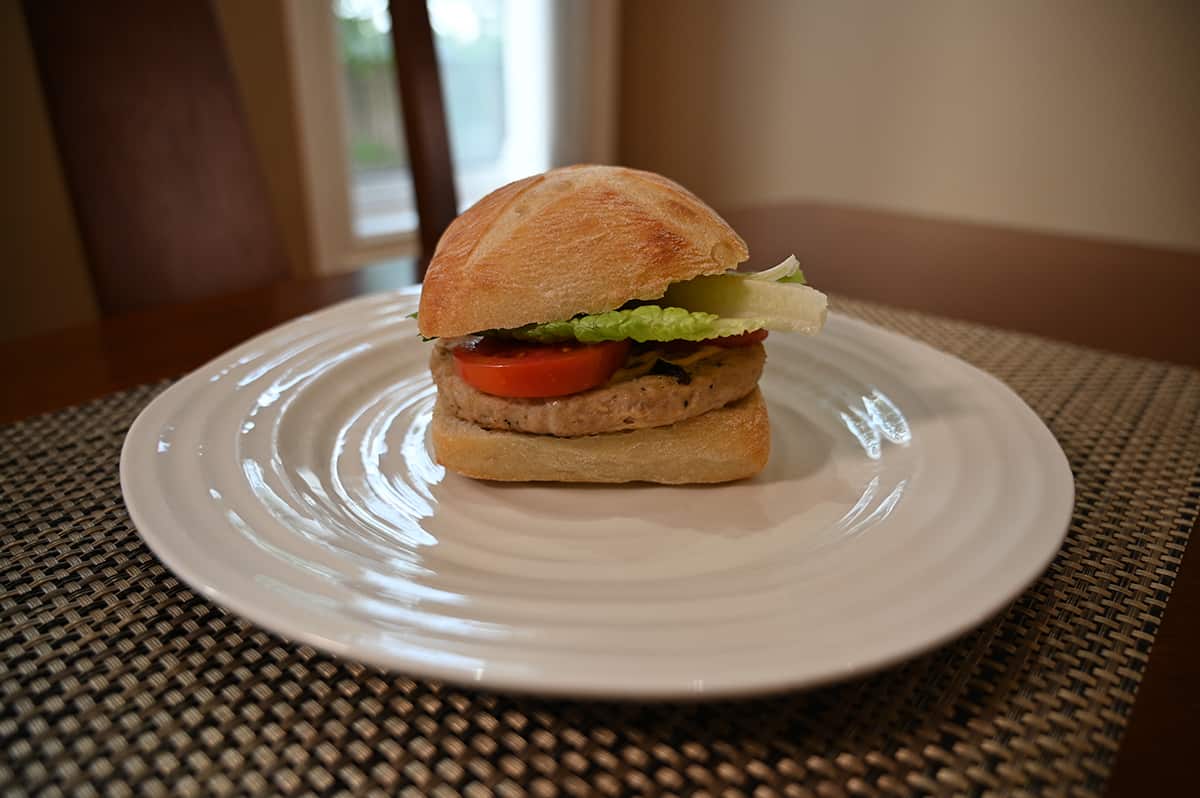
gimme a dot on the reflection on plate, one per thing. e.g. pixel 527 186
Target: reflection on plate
pixel 908 496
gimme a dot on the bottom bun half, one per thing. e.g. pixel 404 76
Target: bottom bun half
pixel 731 442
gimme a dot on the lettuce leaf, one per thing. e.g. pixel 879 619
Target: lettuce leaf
pixel 644 323
pixel 786 272
pixel 778 305
pixel 705 307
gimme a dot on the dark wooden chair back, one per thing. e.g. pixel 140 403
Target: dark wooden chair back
pixel 420 86
pixel 167 193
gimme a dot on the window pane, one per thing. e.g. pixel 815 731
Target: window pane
pixel 380 182
pixel 467 36
pixel 477 45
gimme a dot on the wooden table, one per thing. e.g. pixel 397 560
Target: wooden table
pixel 1115 296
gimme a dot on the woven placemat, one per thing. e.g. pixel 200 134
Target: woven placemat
pixel 116 679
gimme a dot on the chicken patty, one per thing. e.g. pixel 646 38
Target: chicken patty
pixel 651 400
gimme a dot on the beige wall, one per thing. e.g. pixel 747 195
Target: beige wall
pixel 44 282
pixel 1076 115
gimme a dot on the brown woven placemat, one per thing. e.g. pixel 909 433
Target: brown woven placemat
pixel 116 679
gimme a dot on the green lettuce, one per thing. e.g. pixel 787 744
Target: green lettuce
pixel 786 272
pixel 775 304
pixel 705 307
pixel 644 323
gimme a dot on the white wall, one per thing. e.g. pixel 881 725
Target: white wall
pixel 1080 116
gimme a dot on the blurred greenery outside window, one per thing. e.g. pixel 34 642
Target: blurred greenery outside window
pixel 470 43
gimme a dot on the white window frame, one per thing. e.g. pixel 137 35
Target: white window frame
pixel 317 81
pixel 582 108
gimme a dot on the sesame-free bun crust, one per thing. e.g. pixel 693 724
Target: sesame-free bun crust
pixel 581 239
pixel 732 442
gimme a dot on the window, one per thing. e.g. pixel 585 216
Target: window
pixel 494 57
pixel 528 84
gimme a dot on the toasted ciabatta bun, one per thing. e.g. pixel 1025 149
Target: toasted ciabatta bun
pixel 582 239
pixel 732 442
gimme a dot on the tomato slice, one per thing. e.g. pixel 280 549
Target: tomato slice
pixel 745 339
pixel 503 367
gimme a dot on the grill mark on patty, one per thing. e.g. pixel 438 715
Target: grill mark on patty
pixel 666 368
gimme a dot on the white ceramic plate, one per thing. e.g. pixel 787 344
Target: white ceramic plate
pixel 908 497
